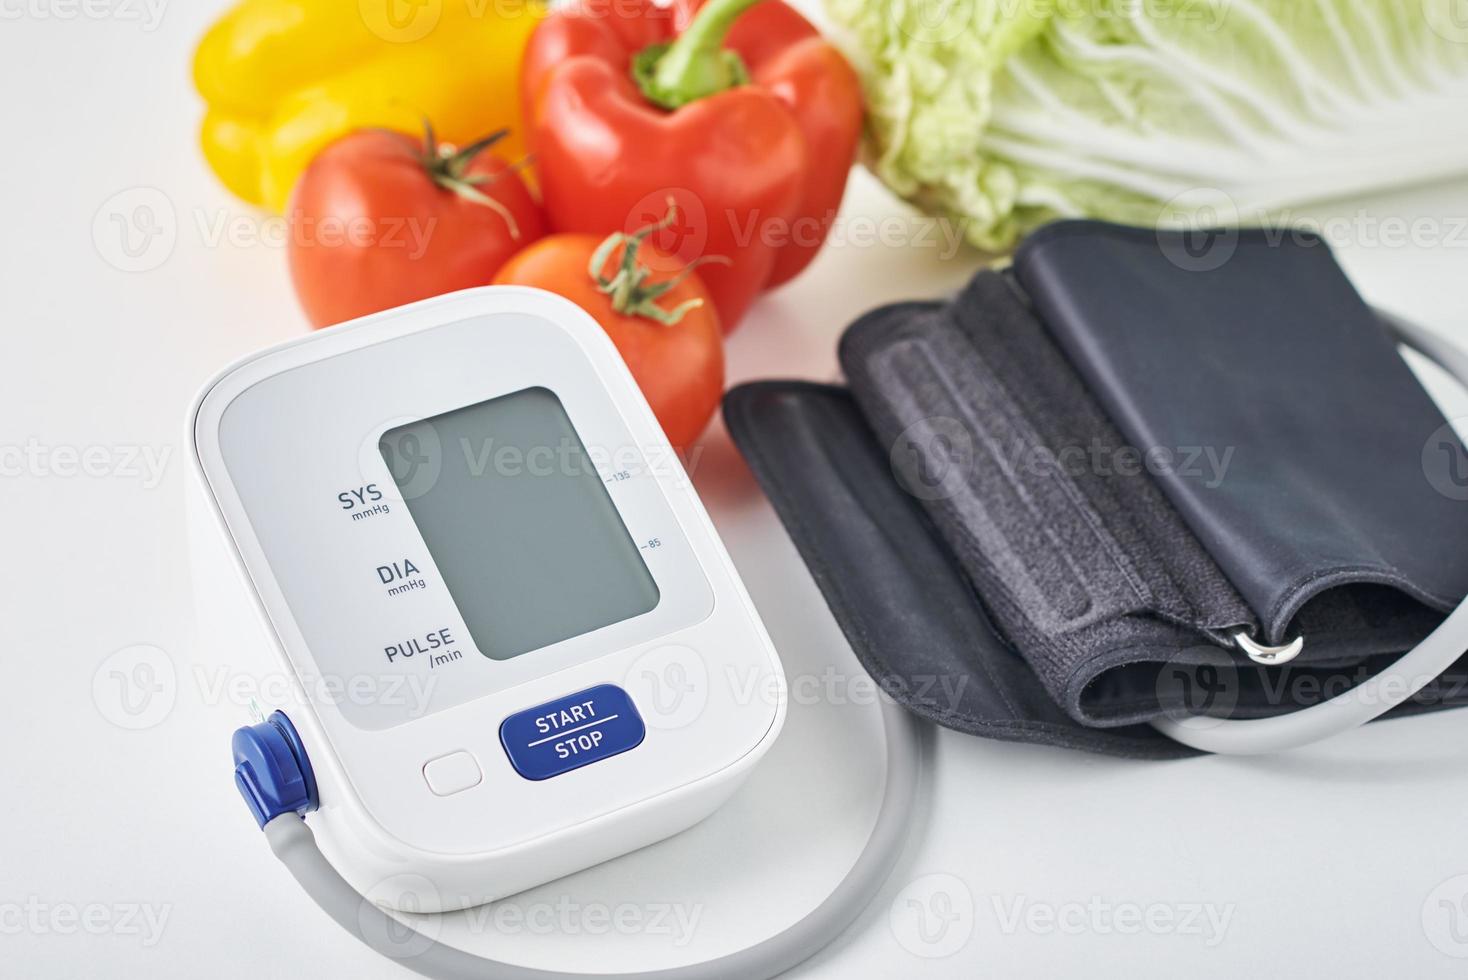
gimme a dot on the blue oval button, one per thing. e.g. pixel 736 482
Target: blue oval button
pixel 571 732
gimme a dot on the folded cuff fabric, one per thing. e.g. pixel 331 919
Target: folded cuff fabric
pixel 1042 510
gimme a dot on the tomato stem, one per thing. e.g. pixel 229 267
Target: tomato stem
pixel 447 165
pixel 697 64
pixel 630 292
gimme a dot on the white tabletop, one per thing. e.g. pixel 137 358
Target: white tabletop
pixel 127 853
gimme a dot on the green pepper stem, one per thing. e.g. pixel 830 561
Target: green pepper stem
pixel 696 64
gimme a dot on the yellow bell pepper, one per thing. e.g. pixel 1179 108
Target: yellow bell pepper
pixel 282 78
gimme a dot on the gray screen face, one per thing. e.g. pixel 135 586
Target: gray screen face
pixel 517 519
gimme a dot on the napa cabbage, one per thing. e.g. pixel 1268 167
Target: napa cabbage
pixel 1002 114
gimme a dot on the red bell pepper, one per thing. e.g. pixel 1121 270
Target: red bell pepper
pixel 737 109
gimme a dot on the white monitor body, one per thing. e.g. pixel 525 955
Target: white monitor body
pixel 604 681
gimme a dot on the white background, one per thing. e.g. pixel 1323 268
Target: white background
pixel 1328 861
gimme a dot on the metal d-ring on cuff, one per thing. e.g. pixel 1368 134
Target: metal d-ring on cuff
pixel 1269 656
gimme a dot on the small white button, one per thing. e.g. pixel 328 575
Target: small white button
pixel 452 773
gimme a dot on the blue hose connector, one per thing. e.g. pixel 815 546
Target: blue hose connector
pixel 271 769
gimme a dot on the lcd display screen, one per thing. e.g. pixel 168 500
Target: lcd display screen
pixel 519 522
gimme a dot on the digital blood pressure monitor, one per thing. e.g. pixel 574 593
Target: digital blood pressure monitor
pixel 520 647
pixel 517 646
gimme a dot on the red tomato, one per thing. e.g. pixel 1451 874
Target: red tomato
pixel 377 220
pixel 679 366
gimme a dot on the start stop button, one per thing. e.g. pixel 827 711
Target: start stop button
pixel 570 732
